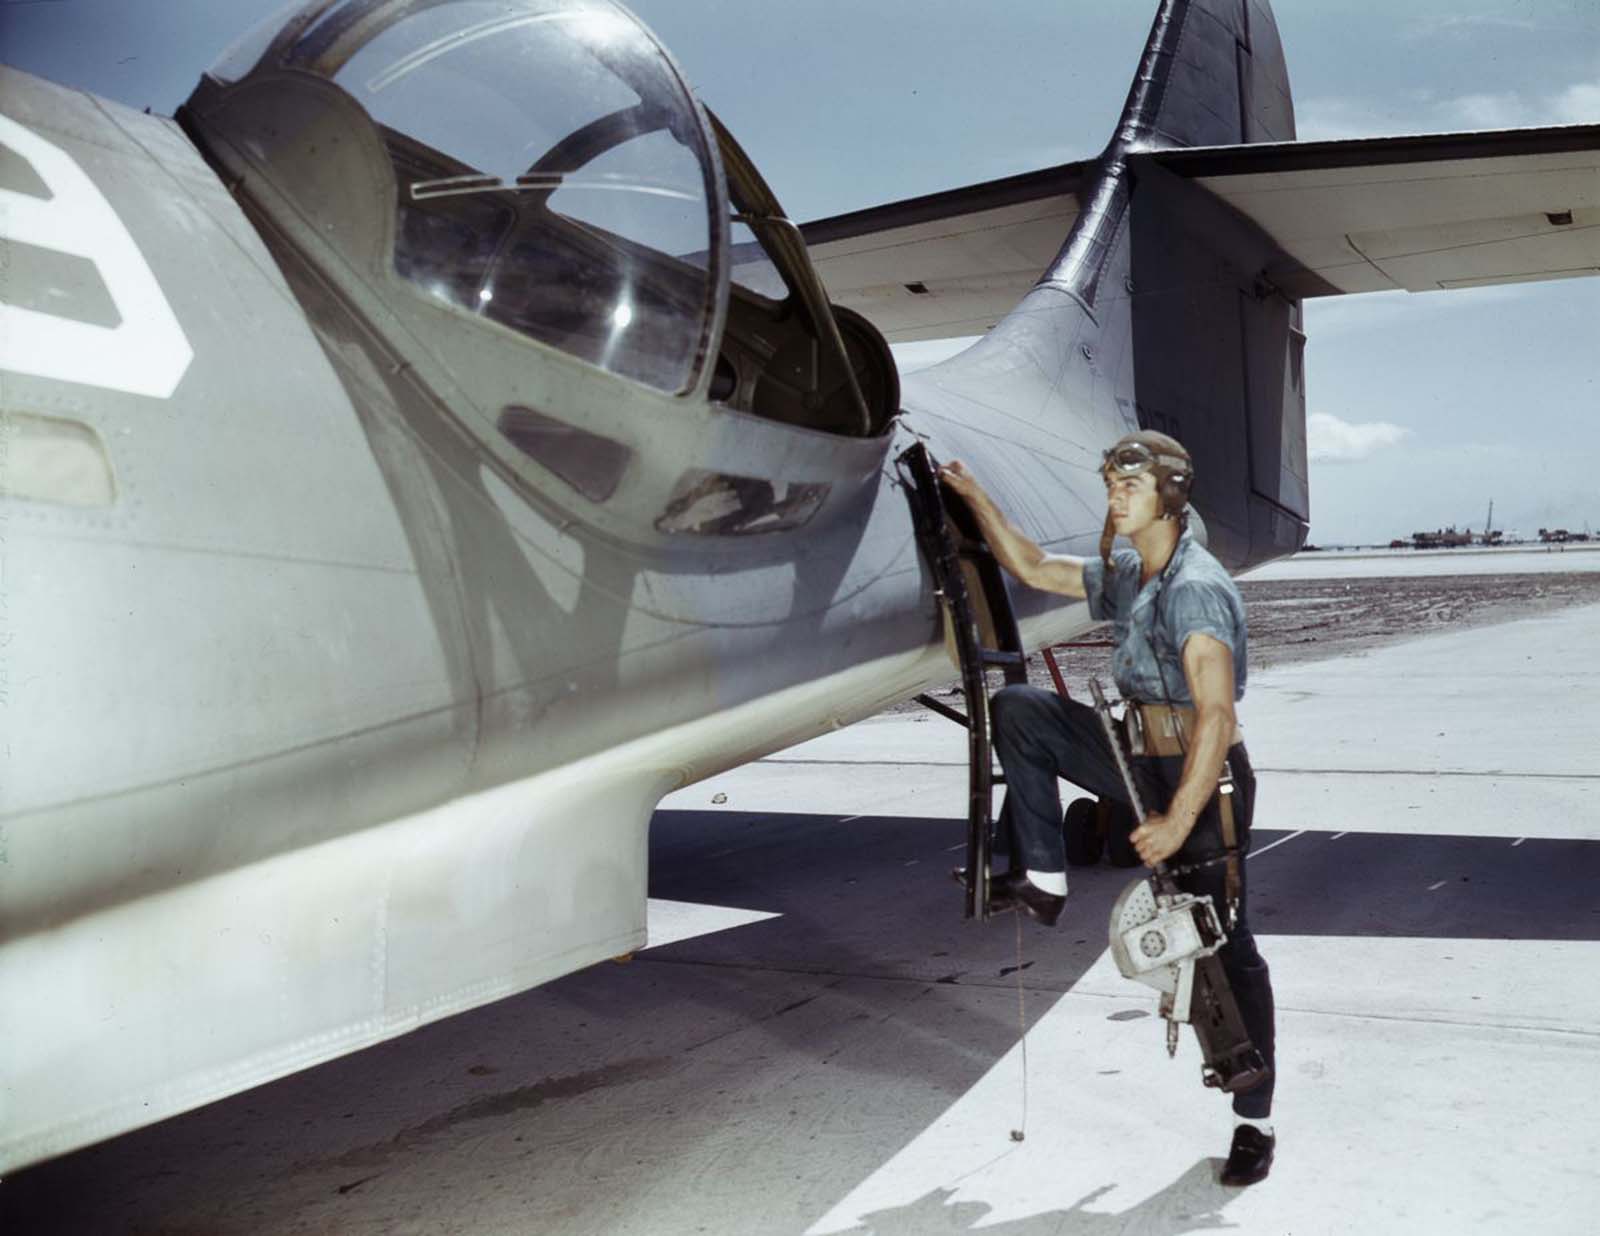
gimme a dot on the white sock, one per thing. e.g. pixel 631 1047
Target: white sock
pixel 1262 1124
pixel 1049 881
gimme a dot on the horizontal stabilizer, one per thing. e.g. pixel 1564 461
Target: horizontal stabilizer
pixel 951 263
pixel 1420 213
pixel 1374 214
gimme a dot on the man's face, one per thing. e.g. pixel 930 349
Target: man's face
pixel 1132 500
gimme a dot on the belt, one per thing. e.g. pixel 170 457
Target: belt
pixel 1163 729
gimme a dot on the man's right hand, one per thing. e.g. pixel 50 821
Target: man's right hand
pixel 1016 553
pixel 955 475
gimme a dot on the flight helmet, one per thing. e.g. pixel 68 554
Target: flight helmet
pixel 1166 458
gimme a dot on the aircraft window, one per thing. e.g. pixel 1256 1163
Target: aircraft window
pixel 638 190
pixel 751 267
pixel 748 263
pixel 549 165
pixel 245 52
pixel 449 248
pixel 720 504
pixel 53 460
pixel 590 463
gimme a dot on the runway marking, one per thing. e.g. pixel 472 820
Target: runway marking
pixel 1431 772
pixel 1500 773
pixel 772 759
pixel 1435 887
pixel 672 921
pixel 1094 1159
pixel 1518 842
pixel 1275 844
pixel 1336 836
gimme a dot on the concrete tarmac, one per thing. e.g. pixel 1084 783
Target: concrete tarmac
pixel 819 1043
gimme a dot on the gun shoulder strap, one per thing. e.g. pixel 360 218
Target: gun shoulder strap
pixel 1230 839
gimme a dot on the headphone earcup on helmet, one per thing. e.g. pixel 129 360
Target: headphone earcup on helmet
pixel 1174 490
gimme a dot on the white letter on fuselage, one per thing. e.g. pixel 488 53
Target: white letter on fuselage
pixel 144 354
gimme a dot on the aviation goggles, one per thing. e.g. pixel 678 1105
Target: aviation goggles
pixel 1131 458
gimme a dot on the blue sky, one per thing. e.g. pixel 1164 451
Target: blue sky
pixel 1424 407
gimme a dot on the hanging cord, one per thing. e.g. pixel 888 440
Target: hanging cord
pixel 1021 1131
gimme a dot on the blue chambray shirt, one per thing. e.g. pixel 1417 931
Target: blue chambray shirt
pixel 1192 594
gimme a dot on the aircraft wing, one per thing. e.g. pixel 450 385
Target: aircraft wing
pixel 1367 215
pixel 951 263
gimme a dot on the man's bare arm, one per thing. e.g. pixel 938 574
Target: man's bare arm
pixel 1059 573
pixel 1208 669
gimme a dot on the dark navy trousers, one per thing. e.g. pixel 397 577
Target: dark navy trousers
pixel 1041 737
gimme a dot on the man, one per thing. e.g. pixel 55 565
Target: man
pixel 1180 653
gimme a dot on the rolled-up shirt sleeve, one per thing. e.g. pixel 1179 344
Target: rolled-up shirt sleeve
pixel 1094 588
pixel 1198 607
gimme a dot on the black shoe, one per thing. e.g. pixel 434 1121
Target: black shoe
pixel 1250 1157
pixel 1013 890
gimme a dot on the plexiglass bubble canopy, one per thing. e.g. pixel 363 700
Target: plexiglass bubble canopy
pixel 547 157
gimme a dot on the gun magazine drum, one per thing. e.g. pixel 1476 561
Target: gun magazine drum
pixel 1169 941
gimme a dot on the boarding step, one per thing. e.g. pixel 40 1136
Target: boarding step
pixel 949 537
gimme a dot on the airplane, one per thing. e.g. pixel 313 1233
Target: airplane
pixel 434 445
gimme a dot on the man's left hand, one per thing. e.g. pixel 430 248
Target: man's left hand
pixel 1159 838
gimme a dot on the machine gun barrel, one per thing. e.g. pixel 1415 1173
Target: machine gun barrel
pixel 1163 878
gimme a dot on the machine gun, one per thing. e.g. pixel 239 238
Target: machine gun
pixel 1168 939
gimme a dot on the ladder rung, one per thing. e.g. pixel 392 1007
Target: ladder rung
pixel 993 656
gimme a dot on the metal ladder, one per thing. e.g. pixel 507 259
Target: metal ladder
pixel 949 538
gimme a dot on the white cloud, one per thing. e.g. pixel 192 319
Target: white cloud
pixel 1579 104
pixel 1333 119
pixel 1336 118
pixel 1331 317
pixel 1331 440
pixel 1508 110
pixel 1428 28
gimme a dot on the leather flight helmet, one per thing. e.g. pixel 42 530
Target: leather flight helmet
pixel 1157 453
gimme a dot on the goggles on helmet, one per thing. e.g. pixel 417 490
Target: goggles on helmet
pixel 1131 458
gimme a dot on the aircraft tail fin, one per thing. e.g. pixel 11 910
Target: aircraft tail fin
pixel 1153 312
pixel 1212 74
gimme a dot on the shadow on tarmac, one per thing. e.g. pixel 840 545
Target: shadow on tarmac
pixel 1192 1203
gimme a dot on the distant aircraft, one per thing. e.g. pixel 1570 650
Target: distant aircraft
pixel 435 445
